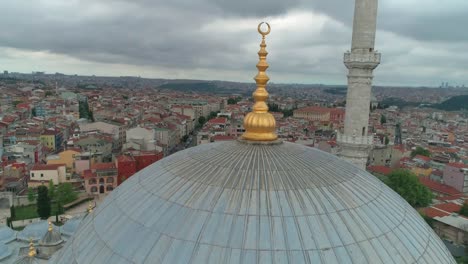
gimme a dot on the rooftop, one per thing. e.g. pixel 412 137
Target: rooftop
pixel 439 187
pixel 47 166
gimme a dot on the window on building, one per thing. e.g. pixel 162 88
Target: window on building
pixel 110 180
pixel 42 175
pixel 32 175
pixel 94 189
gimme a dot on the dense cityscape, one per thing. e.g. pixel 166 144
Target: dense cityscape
pixel 95 132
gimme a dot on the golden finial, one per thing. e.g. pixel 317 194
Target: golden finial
pixel 259 124
pixel 50 227
pixel 32 250
pixel 90 208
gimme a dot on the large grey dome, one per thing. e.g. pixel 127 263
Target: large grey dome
pixel 236 202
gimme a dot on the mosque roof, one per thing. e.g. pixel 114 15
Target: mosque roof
pixel 51 237
pixel 71 225
pixel 35 231
pixel 244 202
pixel 7 234
pixel 5 252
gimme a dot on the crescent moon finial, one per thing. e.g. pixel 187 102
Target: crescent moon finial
pixel 264 33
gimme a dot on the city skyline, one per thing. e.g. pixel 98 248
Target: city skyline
pixel 212 40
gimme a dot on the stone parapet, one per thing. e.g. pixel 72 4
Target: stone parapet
pixel 368 60
pixel 357 140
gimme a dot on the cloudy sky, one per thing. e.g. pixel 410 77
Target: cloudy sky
pixel 422 42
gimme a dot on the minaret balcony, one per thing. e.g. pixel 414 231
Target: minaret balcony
pixel 368 60
pixel 354 140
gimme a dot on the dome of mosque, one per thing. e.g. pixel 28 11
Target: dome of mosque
pixel 254 200
pixel 52 237
pixel 240 202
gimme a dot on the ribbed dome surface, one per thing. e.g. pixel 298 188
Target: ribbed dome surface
pixel 234 202
pixel 51 238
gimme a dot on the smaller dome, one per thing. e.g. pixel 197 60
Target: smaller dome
pixel 71 225
pixel 5 252
pixel 35 231
pixel 51 238
pixel 28 258
pixel 7 234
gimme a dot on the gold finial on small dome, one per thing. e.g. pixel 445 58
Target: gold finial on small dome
pixel 32 251
pixel 90 208
pixel 259 124
pixel 50 227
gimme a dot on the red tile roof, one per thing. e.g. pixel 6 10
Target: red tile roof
pixel 103 166
pixel 439 187
pixel 453 197
pixel 380 169
pixel 458 165
pixel 125 158
pixel 219 120
pixel 433 212
pixel 223 138
pixel 448 207
pixel 424 158
pixel 317 109
pixel 49 133
pixel 88 174
pixel 443 209
pixel 46 166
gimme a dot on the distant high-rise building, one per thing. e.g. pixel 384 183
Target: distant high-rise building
pixel 5 72
pixel 355 143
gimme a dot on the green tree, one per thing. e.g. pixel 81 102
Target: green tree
pixel 234 100
pixel 33 112
pixel 201 120
pixel 420 151
pixel 288 112
pixel 185 138
pixel 31 195
pixel 48 93
pixel 13 212
pixel 83 109
pixel 65 193
pixel 273 107
pixel 464 210
pixel 16 102
pixel 213 115
pixel 51 190
pixel 428 220
pixel 43 202
pixel 383 119
pixel 387 140
pixel 407 185
pixel 91 116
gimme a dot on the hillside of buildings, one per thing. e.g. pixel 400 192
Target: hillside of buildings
pixel 455 103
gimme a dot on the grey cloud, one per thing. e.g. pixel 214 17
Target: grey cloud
pixel 257 8
pixel 170 34
pixel 418 21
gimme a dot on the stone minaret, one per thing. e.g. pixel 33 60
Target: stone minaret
pixel 355 143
